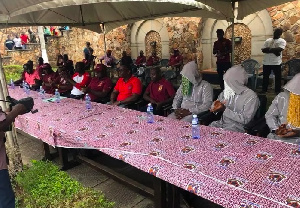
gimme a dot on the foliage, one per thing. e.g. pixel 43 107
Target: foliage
pixel 12 72
pixel 44 185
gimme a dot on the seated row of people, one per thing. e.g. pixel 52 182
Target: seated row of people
pixel 175 61
pixel 237 103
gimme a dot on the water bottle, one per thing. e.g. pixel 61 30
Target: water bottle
pixel 150 118
pixel 27 89
pixel 57 96
pixel 24 86
pixel 42 92
pixel 12 84
pixel 195 128
pixel 88 104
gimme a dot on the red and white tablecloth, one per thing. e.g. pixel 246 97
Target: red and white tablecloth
pixel 228 168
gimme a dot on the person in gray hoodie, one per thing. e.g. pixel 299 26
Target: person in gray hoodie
pixel 194 95
pixel 283 116
pixel 237 102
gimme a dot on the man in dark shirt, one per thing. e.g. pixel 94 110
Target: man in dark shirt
pixel 141 59
pixel 159 92
pixel 153 60
pixel 9 43
pixel 126 60
pixel 176 60
pixel 222 49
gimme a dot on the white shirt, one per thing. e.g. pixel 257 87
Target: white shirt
pixel 75 90
pixel 18 42
pixel 270 58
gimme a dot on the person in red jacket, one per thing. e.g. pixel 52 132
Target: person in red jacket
pixel 80 79
pixel 64 87
pixel 153 60
pixel 48 78
pixel 100 86
pixel 141 59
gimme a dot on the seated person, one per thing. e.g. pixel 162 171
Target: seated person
pixel 38 68
pixel 64 87
pixel 108 59
pixel 100 86
pixel 128 88
pixel 48 78
pixel 29 76
pixel 68 64
pixel 9 43
pixel 60 60
pixel 126 60
pixel 283 116
pixel 194 95
pixel 153 60
pixel 176 60
pixel 238 103
pixel 141 59
pixel 159 92
pixel 80 79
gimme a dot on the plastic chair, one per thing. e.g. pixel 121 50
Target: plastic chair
pixel 293 68
pixel 251 66
pixel 169 75
pixel 164 62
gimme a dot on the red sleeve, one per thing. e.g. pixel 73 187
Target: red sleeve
pixel 170 88
pixel 136 86
pixel 85 82
pixel 107 85
pixel 117 87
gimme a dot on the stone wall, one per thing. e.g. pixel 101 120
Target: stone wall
pixel 287 16
pixel 185 34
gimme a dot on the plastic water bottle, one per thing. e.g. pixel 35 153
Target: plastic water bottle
pixel 42 92
pixel 150 118
pixel 57 96
pixel 26 88
pixel 195 128
pixel 12 84
pixel 88 103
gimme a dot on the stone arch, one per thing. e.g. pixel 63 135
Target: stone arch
pixel 260 25
pixel 140 29
pixel 149 39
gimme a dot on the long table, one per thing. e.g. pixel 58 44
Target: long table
pixel 228 168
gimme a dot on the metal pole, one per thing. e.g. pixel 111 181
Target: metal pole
pixel 232 33
pixel 103 30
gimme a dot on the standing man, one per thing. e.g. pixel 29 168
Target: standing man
pixel 222 49
pixel 272 49
pixel 7 198
pixel 24 39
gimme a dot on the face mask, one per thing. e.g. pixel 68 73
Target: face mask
pixel 187 86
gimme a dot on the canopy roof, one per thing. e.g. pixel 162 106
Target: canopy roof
pixel 91 13
pixel 245 7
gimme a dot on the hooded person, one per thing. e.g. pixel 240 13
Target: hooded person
pixel 194 95
pixel 238 103
pixel 283 116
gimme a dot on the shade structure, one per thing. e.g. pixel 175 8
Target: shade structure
pixel 245 7
pixel 90 13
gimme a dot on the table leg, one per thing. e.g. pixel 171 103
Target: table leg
pixel 173 196
pixel 64 160
pixel 159 193
pixel 47 154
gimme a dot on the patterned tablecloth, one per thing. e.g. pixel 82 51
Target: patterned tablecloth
pixel 228 168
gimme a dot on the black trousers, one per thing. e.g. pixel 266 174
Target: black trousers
pixel 266 73
pixel 221 69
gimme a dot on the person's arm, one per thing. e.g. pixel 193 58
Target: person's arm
pixel 266 48
pixel 147 97
pixel 247 113
pixel 136 92
pixel 206 98
pixel 273 113
pixel 10 117
pixel 178 98
pixel 113 96
pixel 215 49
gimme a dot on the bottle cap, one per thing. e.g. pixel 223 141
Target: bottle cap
pixel 149 104
pixel 194 116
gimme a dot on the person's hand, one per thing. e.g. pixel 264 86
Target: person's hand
pixel 277 53
pixel 181 113
pixel 288 133
pixel 281 129
pixel 20 108
pixel 218 106
pixel 84 89
pixel 265 50
pixel 115 103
